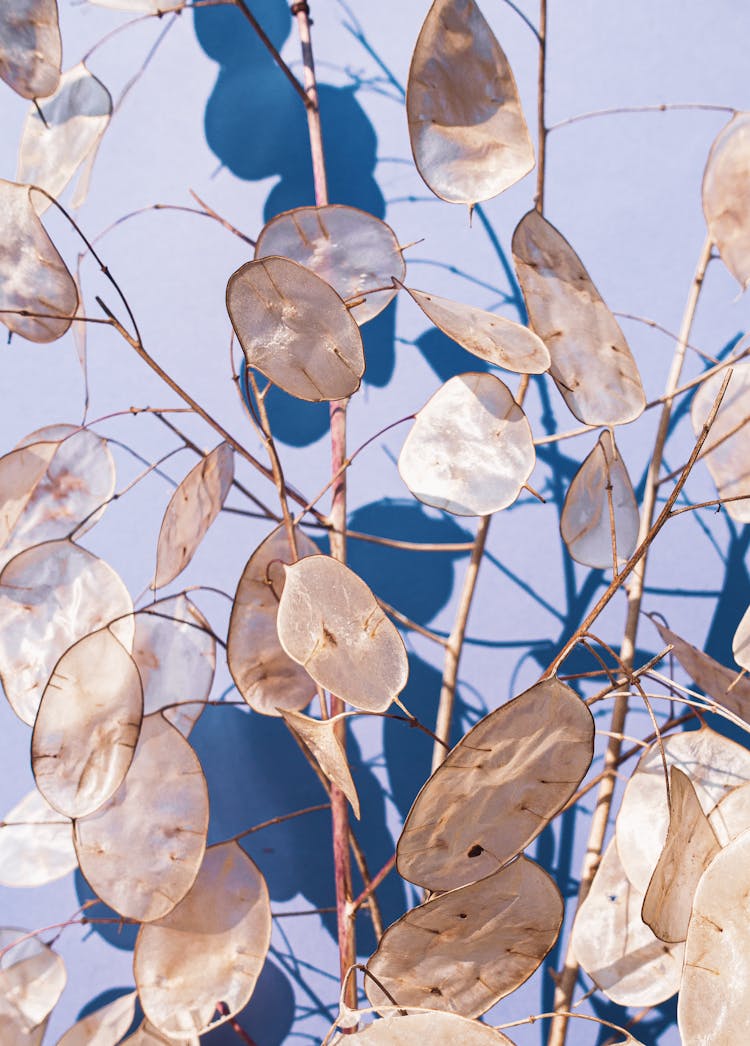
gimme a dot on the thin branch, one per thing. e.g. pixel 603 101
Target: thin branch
pixel 268 44
pixel 542 129
pixel 665 107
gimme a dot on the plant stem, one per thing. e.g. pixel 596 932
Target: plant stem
pixel 541 126
pixel 337 534
pixel 648 530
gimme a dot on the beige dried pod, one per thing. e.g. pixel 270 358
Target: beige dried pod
pixel 352 250
pixel 210 949
pixel 485 334
pixel 419 1029
pixel 319 738
pixel 33 276
pixel 586 522
pixel 87 725
pixel 146 1034
pixel 714 1003
pixel 467 130
pixel 689 848
pixel 470 450
pixel 266 677
pixel 615 947
pixel 141 851
pixel 727 448
pixel 175 653
pixel 295 329
pixel 731 817
pixel 726 196
pixel 714 765
pixel 498 788
pixel 718 681
pixel 69 495
pixel 36 843
pixel 30 47
pixel 592 364
pixel 741 642
pixel 32 978
pixel 330 622
pixel 191 510
pixel 59 135
pixel 463 950
pixel 21 471
pixel 52 595
pixel 105 1026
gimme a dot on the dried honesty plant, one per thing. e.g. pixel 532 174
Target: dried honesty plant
pixel 121 684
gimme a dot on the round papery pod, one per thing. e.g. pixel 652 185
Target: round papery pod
pixel 485 334
pixel 586 523
pixel 87 725
pixel 36 843
pixel 592 364
pixel 295 329
pixel 30 47
pixel 498 788
pixel 726 199
pixel 33 276
pixel 142 850
pixel 52 595
pixel 470 450
pixel 147 1035
pixel 420 1029
pixel 463 950
pixel 731 817
pixel 330 622
pixel 727 447
pixel 714 1003
pixel 209 950
pixel 616 948
pixel 20 473
pixel 69 495
pixel 175 652
pixel 192 509
pixel 32 978
pixel 266 677
pixel 105 1026
pixel 467 130
pixel 352 250
pixel 714 765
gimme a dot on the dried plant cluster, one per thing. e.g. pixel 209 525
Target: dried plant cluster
pixel 111 688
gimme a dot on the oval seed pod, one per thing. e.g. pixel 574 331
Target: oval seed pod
pixel 69 495
pixel 586 523
pixel 32 978
pixel 58 137
pixel 105 1026
pixel 52 595
pixel 498 788
pixel 268 679
pixel 726 198
pixel 146 1034
pixel 87 725
pixel 727 447
pixel 30 47
pixel 36 843
pixel 463 950
pixel 690 846
pixel 141 851
pixel 470 450
pixel 616 948
pixel 20 473
pixel 175 653
pixel 191 510
pixel 318 736
pixel 352 250
pixel 210 949
pixel 485 334
pixel 33 276
pixel 330 622
pixel 731 817
pixel 467 130
pixel 591 363
pixel 741 642
pixel 295 329
pixel 418 1029
pixel 714 1002
pixel 714 765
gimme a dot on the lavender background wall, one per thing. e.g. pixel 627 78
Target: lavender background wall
pixel 211 113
